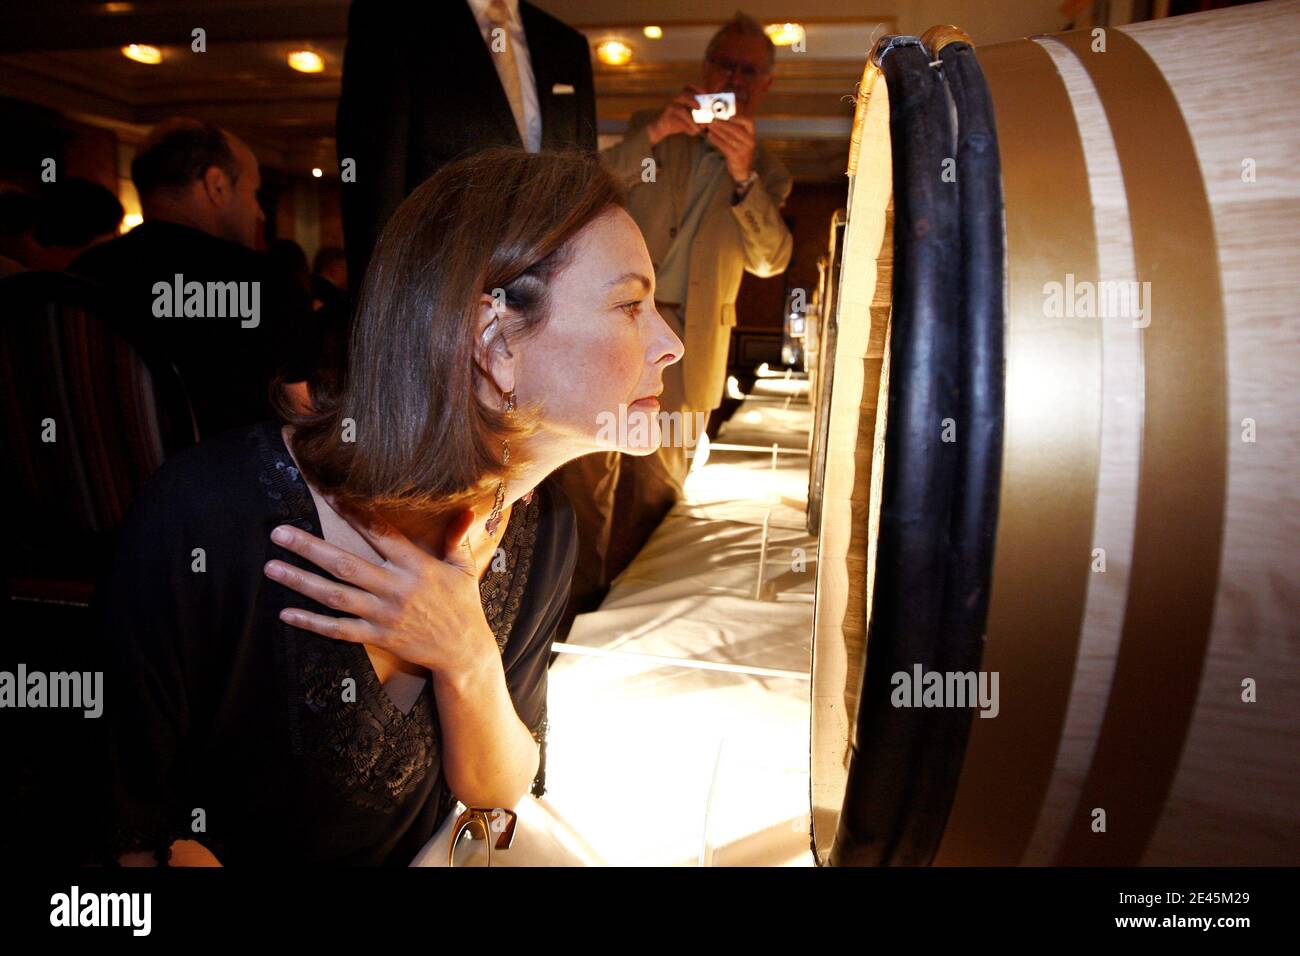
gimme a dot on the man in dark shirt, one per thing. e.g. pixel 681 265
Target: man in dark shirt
pixel 193 290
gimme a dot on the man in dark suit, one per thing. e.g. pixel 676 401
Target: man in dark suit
pixel 426 84
pixel 192 288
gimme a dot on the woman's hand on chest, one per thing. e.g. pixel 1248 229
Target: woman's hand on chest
pixel 420 608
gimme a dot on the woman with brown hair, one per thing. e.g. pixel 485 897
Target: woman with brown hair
pixel 327 632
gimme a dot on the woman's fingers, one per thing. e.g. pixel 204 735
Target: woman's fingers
pixel 350 629
pixel 332 594
pixel 344 565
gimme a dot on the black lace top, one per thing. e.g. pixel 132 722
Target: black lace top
pixel 264 742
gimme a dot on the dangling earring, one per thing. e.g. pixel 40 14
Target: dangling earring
pixel 494 519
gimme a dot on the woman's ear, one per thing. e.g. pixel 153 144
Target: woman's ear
pixel 491 350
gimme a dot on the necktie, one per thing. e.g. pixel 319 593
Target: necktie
pixel 507 67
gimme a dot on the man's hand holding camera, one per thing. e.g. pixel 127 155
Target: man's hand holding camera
pixel 735 140
pixel 732 133
pixel 675 118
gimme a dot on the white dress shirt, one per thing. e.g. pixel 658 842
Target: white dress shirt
pixel 531 133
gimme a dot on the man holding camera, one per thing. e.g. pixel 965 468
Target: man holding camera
pixel 707 198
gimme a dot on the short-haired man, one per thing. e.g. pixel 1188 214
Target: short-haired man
pixel 202 222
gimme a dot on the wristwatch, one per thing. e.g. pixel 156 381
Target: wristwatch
pixel 743 186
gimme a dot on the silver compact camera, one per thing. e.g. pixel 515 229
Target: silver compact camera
pixel 714 106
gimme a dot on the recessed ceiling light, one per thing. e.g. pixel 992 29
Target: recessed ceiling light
pixel 306 61
pixel 654 33
pixel 784 34
pixel 142 53
pixel 613 52
pixel 317 172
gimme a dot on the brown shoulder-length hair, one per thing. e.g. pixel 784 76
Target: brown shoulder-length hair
pixel 407 429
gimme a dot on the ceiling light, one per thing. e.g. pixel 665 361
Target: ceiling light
pixel 784 34
pixel 305 61
pixel 316 171
pixel 654 33
pixel 613 52
pixel 142 53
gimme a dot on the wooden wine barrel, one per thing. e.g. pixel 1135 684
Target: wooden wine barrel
pixel 1144 581
pixel 852 355
pixel 812 336
pixel 819 389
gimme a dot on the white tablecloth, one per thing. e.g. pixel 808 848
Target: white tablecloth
pixel 702 758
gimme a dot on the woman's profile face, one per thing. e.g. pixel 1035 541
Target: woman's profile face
pixel 603 346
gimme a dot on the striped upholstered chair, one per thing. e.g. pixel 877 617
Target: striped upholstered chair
pixel 85 418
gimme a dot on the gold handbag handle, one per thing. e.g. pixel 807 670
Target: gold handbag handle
pixel 482 816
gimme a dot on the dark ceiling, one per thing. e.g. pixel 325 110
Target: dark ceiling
pixel 66 55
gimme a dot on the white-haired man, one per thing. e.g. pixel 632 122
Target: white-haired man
pixel 707 198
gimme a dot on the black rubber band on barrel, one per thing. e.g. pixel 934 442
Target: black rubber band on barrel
pixel 942 459
pixel 980 406
pixel 919 471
